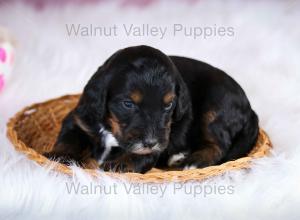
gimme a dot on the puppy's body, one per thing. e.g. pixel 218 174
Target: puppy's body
pixel 143 109
pixel 224 127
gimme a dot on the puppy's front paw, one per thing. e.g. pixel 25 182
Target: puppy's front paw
pixel 176 160
pixel 117 167
pixel 190 167
pixel 61 158
pixel 121 165
pixel 203 158
pixel 191 163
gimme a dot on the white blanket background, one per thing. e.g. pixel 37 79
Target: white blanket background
pixel 263 56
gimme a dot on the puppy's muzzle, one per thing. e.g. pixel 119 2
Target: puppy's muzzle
pixel 148 147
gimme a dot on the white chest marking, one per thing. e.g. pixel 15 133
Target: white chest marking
pixel 109 141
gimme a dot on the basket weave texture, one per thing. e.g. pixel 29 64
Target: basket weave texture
pixel 33 131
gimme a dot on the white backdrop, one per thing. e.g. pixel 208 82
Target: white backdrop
pixel 262 55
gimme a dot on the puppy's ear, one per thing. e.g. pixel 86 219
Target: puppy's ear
pixel 80 127
pixel 183 105
pixel 91 108
pixel 79 131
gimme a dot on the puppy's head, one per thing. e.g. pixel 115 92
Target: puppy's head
pixel 136 94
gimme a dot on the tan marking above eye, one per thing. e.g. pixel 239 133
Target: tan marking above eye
pixel 136 96
pixel 168 97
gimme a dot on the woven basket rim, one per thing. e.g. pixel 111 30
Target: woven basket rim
pixel 152 177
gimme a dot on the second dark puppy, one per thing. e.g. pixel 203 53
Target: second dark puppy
pixel 144 109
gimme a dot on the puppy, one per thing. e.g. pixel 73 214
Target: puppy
pixel 144 109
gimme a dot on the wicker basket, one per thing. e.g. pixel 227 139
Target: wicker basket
pixel 33 131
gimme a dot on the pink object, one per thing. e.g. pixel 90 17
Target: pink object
pixel 42 4
pixel 140 3
pixel 12 58
pixel 1 82
pixel 2 55
pixel 6 56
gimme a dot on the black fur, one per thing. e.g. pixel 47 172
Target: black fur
pixel 180 105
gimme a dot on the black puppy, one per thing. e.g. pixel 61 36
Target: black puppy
pixel 144 109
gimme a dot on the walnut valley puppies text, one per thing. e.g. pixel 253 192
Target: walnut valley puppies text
pixel 148 30
pixel 159 190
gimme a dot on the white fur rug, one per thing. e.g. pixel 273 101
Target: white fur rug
pixel 263 56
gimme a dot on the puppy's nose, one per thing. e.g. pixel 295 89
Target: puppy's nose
pixel 150 143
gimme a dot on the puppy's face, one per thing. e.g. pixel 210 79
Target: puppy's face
pixel 140 105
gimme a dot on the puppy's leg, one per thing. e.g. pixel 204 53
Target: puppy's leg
pixel 72 144
pixel 144 163
pixel 176 152
pixel 207 156
pixel 216 141
pixel 131 163
pixel 176 160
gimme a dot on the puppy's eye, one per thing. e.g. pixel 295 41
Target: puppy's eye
pixel 128 104
pixel 168 106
